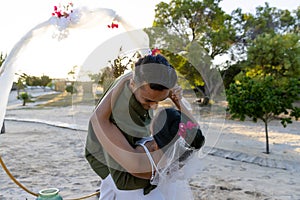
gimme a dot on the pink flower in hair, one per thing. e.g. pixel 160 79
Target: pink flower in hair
pixel 155 51
pixel 190 125
pixel 184 127
pixel 182 130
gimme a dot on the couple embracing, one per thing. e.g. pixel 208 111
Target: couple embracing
pixel 137 149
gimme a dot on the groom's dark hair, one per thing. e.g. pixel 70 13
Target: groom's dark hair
pixel 156 71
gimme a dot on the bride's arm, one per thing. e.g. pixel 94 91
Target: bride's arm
pixel 151 147
pixel 176 96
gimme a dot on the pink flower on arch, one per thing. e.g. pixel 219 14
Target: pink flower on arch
pixel 62 10
pixel 113 25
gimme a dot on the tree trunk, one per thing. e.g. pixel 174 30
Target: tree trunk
pixel 267 137
pixel 204 90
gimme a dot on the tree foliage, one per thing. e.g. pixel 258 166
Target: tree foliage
pixel 274 54
pixel 201 21
pixel 71 89
pixel 266 20
pixel 25 97
pixel 27 80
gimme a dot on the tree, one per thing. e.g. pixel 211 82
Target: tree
pixel 25 97
pixel 21 83
pixel 185 23
pixel 268 84
pixel 71 89
pixel 45 80
pixel 264 98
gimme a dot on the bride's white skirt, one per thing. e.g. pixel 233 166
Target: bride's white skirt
pixel 109 191
pixel 176 189
pixel 167 190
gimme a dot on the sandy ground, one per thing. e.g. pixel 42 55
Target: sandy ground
pixel 42 149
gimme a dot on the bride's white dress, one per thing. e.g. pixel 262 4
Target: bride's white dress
pixel 170 175
pixel 173 181
pixel 174 170
pixel 175 186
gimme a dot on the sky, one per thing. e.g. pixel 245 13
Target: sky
pixel 18 17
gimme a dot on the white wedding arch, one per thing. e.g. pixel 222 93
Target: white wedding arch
pixel 70 40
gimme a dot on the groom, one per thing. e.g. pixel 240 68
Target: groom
pixel 151 82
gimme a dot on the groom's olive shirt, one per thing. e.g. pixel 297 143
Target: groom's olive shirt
pixel 133 121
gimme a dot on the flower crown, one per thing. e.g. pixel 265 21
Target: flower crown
pixel 184 127
pixel 155 51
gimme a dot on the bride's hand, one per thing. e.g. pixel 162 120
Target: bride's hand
pixel 176 95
